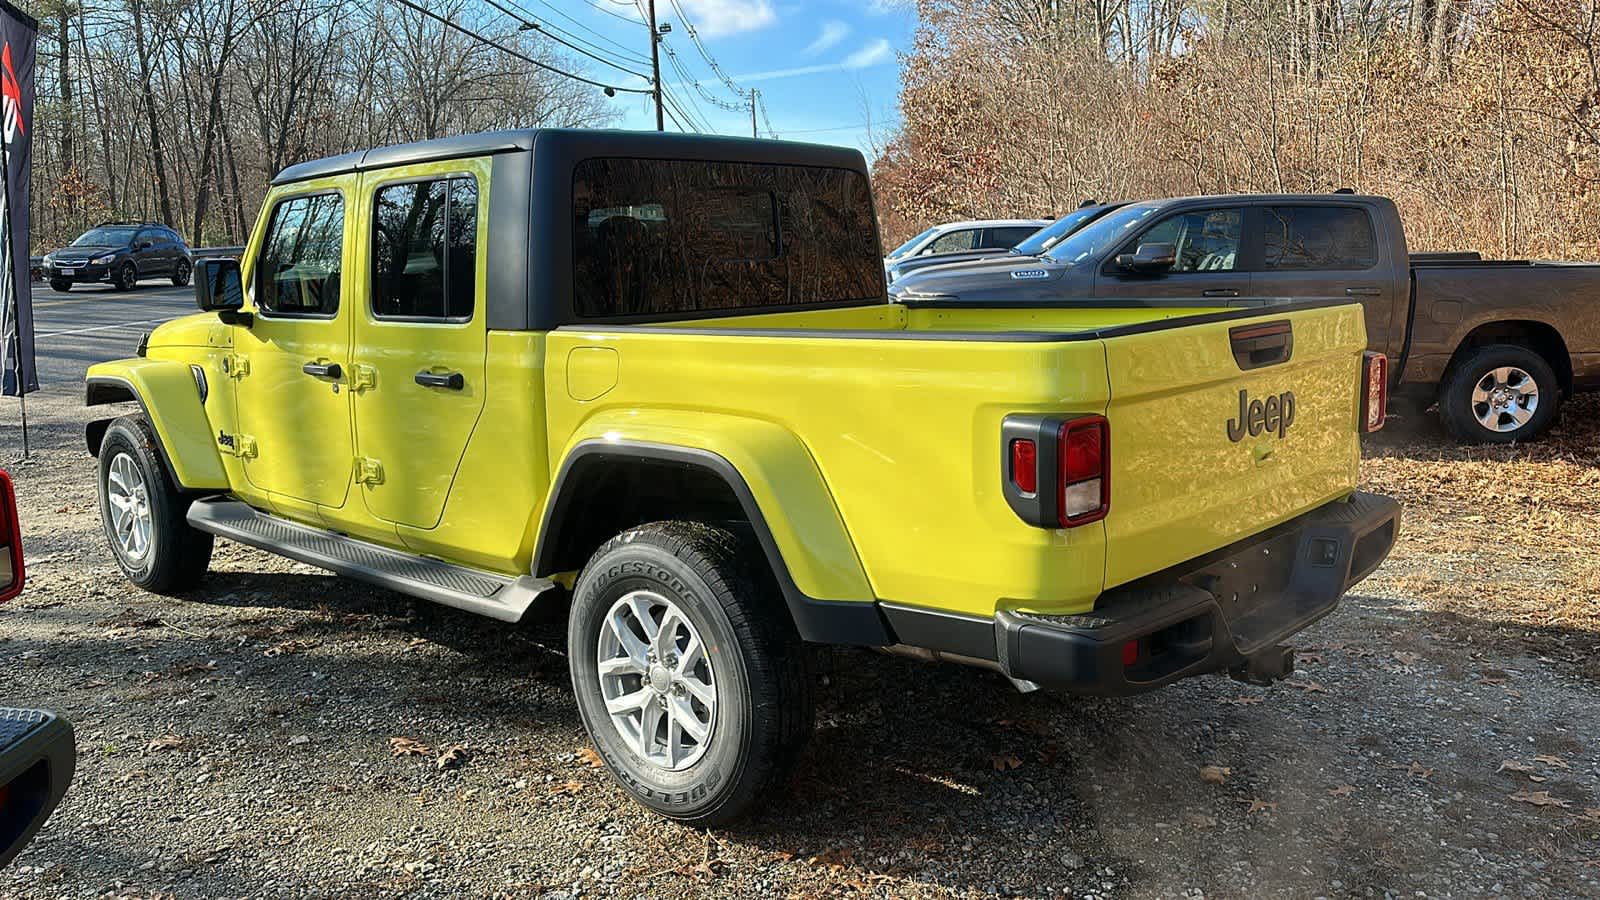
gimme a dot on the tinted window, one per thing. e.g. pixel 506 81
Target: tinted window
pixel 1051 234
pixel 425 249
pixel 954 242
pixel 1318 237
pixel 1207 240
pixel 1004 238
pixel 657 237
pixel 114 236
pixel 298 269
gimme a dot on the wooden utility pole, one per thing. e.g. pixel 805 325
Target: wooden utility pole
pixel 655 67
pixel 753 94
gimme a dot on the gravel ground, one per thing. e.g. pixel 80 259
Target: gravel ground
pixel 285 733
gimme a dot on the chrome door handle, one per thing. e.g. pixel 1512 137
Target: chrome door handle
pixel 1362 292
pixel 1220 292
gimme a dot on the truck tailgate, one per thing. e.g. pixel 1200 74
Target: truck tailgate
pixel 1222 429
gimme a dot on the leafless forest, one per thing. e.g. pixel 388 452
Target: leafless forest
pixel 182 110
pixel 1480 117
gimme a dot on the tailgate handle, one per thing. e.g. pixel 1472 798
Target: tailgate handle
pixel 1256 346
pixel 1219 292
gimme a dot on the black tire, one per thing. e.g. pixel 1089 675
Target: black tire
pixel 127 277
pixel 181 273
pixel 719 581
pixel 176 555
pixel 1461 413
pixel 59 286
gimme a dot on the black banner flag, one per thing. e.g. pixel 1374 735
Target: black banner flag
pixel 19 35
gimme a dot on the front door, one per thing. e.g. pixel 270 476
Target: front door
pixel 1330 252
pixel 1208 267
pixel 294 415
pixel 419 338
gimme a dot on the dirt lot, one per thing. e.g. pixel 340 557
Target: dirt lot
pixel 1441 739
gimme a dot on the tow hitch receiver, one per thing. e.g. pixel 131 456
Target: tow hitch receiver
pixel 1272 664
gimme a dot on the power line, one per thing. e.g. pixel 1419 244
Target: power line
pixel 694 36
pixel 535 25
pixel 625 50
pixel 614 14
pixel 608 88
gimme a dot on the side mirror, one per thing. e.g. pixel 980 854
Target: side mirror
pixel 1149 259
pixel 11 575
pixel 37 755
pixel 219 288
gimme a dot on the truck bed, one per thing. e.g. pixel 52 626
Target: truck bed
pixel 875 392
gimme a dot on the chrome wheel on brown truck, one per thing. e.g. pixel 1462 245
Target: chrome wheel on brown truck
pixel 1499 394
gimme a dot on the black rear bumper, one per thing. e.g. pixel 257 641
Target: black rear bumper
pixel 1223 611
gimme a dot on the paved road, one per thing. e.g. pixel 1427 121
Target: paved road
pixel 91 324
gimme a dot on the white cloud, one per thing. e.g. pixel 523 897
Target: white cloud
pixel 884 7
pixel 879 51
pixel 833 31
pixel 718 18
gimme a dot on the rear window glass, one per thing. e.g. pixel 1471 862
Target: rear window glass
pixel 1010 236
pixel 1318 237
pixel 661 237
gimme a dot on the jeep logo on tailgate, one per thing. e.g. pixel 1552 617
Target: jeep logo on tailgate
pixel 1255 416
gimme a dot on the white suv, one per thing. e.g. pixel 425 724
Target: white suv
pixel 965 237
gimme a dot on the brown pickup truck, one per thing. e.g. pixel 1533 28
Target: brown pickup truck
pixel 1497 343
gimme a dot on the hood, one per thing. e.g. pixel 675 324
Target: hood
pixel 86 251
pixel 899 268
pixel 1005 279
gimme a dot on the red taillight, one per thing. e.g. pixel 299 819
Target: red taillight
pixel 1085 476
pixel 1374 390
pixel 1025 466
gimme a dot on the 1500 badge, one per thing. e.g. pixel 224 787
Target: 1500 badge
pixel 1257 416
pixel 1029 274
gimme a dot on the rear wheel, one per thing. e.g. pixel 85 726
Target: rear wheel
pixel 688 671
pixel 1499 394
pixel 181 272
pixel 60 286
pixel 144 512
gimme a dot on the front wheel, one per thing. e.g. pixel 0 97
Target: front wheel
pixel 126 278
pixel 181 272
pixel 144 512
pixel 689 674
pixel 1499 394
pixel 60 286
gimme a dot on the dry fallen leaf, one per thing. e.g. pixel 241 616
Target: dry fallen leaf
pixel 1343 790
pixel 288 647
pixel 1405 658
pixel 165 742
pixel 1512 765
pixel 1493 676
pixel 1554 761
pixel 1418 770
pixel 1215 774
pixel 1200 821
pixel 835 860
pixel 590 758
pixel 1259 805
pixel 1241 701
pixel 1310 687
pixel 1005 761
pixel 404 746
pixel 192 666
pixel 1592 814
pixel 1539 798
pixel 452 758
pixel 567 787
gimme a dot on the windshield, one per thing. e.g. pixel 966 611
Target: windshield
pixel 1093 239
pixel 1051 234
pixel 905 248
pixel 105 237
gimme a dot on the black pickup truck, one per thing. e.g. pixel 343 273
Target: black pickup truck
pixel 1496 343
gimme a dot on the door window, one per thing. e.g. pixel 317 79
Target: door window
pixel 425 250
pixel 954 242
pixel 1207 240
pixel 1008 237
pixel 1318 237
pixel 298 269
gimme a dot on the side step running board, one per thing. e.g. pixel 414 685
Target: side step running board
pixel 485 593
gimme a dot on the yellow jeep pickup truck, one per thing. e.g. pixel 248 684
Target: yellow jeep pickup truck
pixel 656 379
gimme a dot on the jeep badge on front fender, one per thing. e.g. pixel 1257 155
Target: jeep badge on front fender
pixel 1255 416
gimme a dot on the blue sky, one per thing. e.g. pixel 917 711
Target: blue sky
pixel 826 70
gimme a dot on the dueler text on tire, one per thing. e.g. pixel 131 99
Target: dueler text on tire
pixel 689 674
pixel 143 512
pixel 1498 394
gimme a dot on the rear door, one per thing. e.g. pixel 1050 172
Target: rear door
pixel 1327 251
pixel 1220 430
pixel 419 336
pixel 1209 264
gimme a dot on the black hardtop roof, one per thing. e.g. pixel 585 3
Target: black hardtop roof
pixel 573 143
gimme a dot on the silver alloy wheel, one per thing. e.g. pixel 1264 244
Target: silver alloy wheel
pixel 1505 398
pixel 656 680
pixel 131 521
